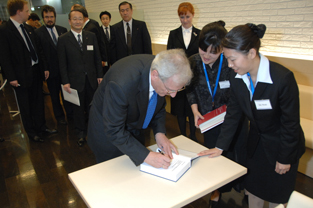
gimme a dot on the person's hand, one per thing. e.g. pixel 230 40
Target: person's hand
pixel 14 83
pixel 103 63
pixel 197 115
pixel 47 75
pixel 99 80
pixel 165 145
pixel 211 152
pixel 158 160
pixel 282 168
pixel 67 88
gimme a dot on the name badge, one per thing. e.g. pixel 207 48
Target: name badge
pixel 224 84
pixel 89 47
pixel 263 104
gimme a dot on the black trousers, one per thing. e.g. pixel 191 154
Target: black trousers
pixel 31 105
pixel 81 112
pixel 54 86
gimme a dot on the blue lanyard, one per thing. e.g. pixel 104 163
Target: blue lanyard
pixel 217 78
pixel 251 83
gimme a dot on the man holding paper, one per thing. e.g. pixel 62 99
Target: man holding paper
pixel 80 68
pixel 122 105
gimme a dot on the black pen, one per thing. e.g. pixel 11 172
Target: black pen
pixel 160 151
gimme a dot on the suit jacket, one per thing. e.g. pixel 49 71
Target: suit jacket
pixel 15 57
pixel 93 26
pixel 278 130
pixel 50 49
pixel 106 43
pixel 76 64
pixel 176 40
pixel 141 41
pixel 119 108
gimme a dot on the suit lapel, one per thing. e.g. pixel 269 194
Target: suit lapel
pixel 16 32
pixel 259 90
pixel 121 33
pixel 73 40
pixel 193 36
pixel 179 36
pixel 134 31
pixel 48 36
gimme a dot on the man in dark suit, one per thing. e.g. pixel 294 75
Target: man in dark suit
pixel 129 36
pixel 80 68
pixel 105 32
pixel 121 106
pixel 24 65
pixel 93 26
pixel 48 35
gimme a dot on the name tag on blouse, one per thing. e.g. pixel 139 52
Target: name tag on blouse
pixel 224 84
pixel 263 104
pixel 89 47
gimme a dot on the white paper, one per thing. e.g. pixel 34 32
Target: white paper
pixel 71 97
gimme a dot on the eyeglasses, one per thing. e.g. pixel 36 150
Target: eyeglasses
pixel 172 91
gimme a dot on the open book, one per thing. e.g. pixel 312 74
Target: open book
pixel 212 119
pixel 179 165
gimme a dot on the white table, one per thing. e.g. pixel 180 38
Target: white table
pixel 119 183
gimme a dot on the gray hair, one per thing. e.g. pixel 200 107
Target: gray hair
pixel 171 63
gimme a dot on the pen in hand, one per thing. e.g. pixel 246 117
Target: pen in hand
pixel 160 151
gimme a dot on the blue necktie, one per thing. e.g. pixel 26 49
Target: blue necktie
pixel 151 108
pixel 54 38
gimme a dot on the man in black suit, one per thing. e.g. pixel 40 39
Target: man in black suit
pixel 119 109
pixel 49 34
pixel 93 26
pixel 129 36
pixel 80 68
pixel 24 65
pixel 105 18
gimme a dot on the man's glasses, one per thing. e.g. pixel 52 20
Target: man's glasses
pixel 172 91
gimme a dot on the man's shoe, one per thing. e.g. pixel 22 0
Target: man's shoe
pixel 37 139
pixel 62 121
pixel 50 131
pixel 81 141
pixel 1 139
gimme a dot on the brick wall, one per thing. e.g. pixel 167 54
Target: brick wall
pixel 289 22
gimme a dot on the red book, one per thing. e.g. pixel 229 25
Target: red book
pixel 212 119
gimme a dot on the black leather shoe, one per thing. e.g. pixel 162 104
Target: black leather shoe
pixel 62 121
pixel 1 139
pixel 81 141
pixel 37 139
pixel 50 131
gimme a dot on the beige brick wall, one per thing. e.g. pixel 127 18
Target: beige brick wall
pixel 289 22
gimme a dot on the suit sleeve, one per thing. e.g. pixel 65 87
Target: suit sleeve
pixel 231 121
pixel 113 50
pixel 63 61
pixel 5 59
pixel 146 39
pixel 114 118
pixel 170 41
pixel 97 57
pixel 290 119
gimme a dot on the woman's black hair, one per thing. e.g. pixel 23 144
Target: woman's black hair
pixel 212 34
pixel 244 37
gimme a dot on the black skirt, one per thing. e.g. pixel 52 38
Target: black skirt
pixel 263 182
